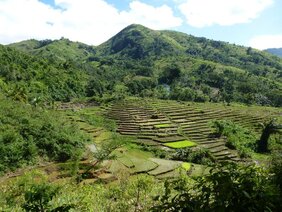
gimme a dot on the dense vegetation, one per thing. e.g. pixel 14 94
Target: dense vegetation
pixel 34 75
pixel 143 62
pixel 228 187
pixel 28 134
pixel 31 79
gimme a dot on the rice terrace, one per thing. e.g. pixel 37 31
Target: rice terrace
pixel 150 120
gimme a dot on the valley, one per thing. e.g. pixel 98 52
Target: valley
pixel 150 120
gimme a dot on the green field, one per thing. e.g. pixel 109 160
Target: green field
pixel 181 144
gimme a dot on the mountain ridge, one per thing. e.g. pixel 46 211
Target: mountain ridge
pixel 140 61
pixel 275 51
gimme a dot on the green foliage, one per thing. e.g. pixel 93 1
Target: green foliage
pixel 228 187
pixel 38 196
pixel 126 194
pixel 147 63
pixel 269 128
pixel 237 136
pixel 107 147
pixel 194 155
pixel 99 121
pixel 27 133
pixel 33 192
pixel 276 168
pixel 180 144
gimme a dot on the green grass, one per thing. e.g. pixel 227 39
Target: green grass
pixel 164 166
pixel 180 144
pixel 162 125
pixel 132 160
pixel 199 170
pixel 186 166
pixel 142 165
pixel 126 161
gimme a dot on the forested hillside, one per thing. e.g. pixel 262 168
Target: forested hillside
pixel 163 64
pixel 34 79
pixel 275 51
pixel 97 128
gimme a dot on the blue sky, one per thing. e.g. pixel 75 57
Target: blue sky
pixel 256 23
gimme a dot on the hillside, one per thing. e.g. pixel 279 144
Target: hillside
pixel 139 42
pixel 58 50
pixel 275 51
pixel 147 121
pixel 33 79
pixel 168 65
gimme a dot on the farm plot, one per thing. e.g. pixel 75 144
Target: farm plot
pixel 175 125
pixel 180 144
pixel 135 162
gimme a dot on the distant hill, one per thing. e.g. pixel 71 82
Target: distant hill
pixel 164 64
pixel 56 50
pixel 139 42
pixel 275 51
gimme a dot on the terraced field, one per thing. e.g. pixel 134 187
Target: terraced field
pixel 172 124
pixel 131 161
pixel 167 125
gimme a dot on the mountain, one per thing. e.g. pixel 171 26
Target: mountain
pixel 164 64
pixel 57 50
pixel 29 78
pixel 275 51
pixel 139 42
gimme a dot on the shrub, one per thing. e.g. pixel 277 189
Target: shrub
pixel 194 155
pixel 228 187
pixel 238 137
pixel 27 133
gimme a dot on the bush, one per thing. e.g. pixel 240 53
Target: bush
pixel 194 155
pixel 238 137
pixel 228 187
pixel 27 133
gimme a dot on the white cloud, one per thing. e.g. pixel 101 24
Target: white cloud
pixel 202 13
pixel 88 21
pixel 156 18
pixel 266 41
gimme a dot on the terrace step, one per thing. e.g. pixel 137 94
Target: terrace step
pixel 213 145
pixel 128 130
pixel 207 142
pixel 222 153
pixel 148 142
pixel 129 127
pixel 169 139
pixel 195 131
pixel 146 137
pixel 218 150
pixel 129 133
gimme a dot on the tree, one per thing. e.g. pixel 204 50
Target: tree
pixel 228 187
pixel 170 74
pixel 104 152
pixel 268 129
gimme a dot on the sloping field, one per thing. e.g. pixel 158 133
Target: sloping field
pixel 180 144
pixel 136 161
pixel 174 124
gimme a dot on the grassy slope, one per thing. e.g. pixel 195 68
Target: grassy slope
pixel 139 57
pixel 58 50
pixel 139 42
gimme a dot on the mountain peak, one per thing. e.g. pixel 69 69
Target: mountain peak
pixel 136 27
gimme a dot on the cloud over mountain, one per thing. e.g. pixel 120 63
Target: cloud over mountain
pixel 89 21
